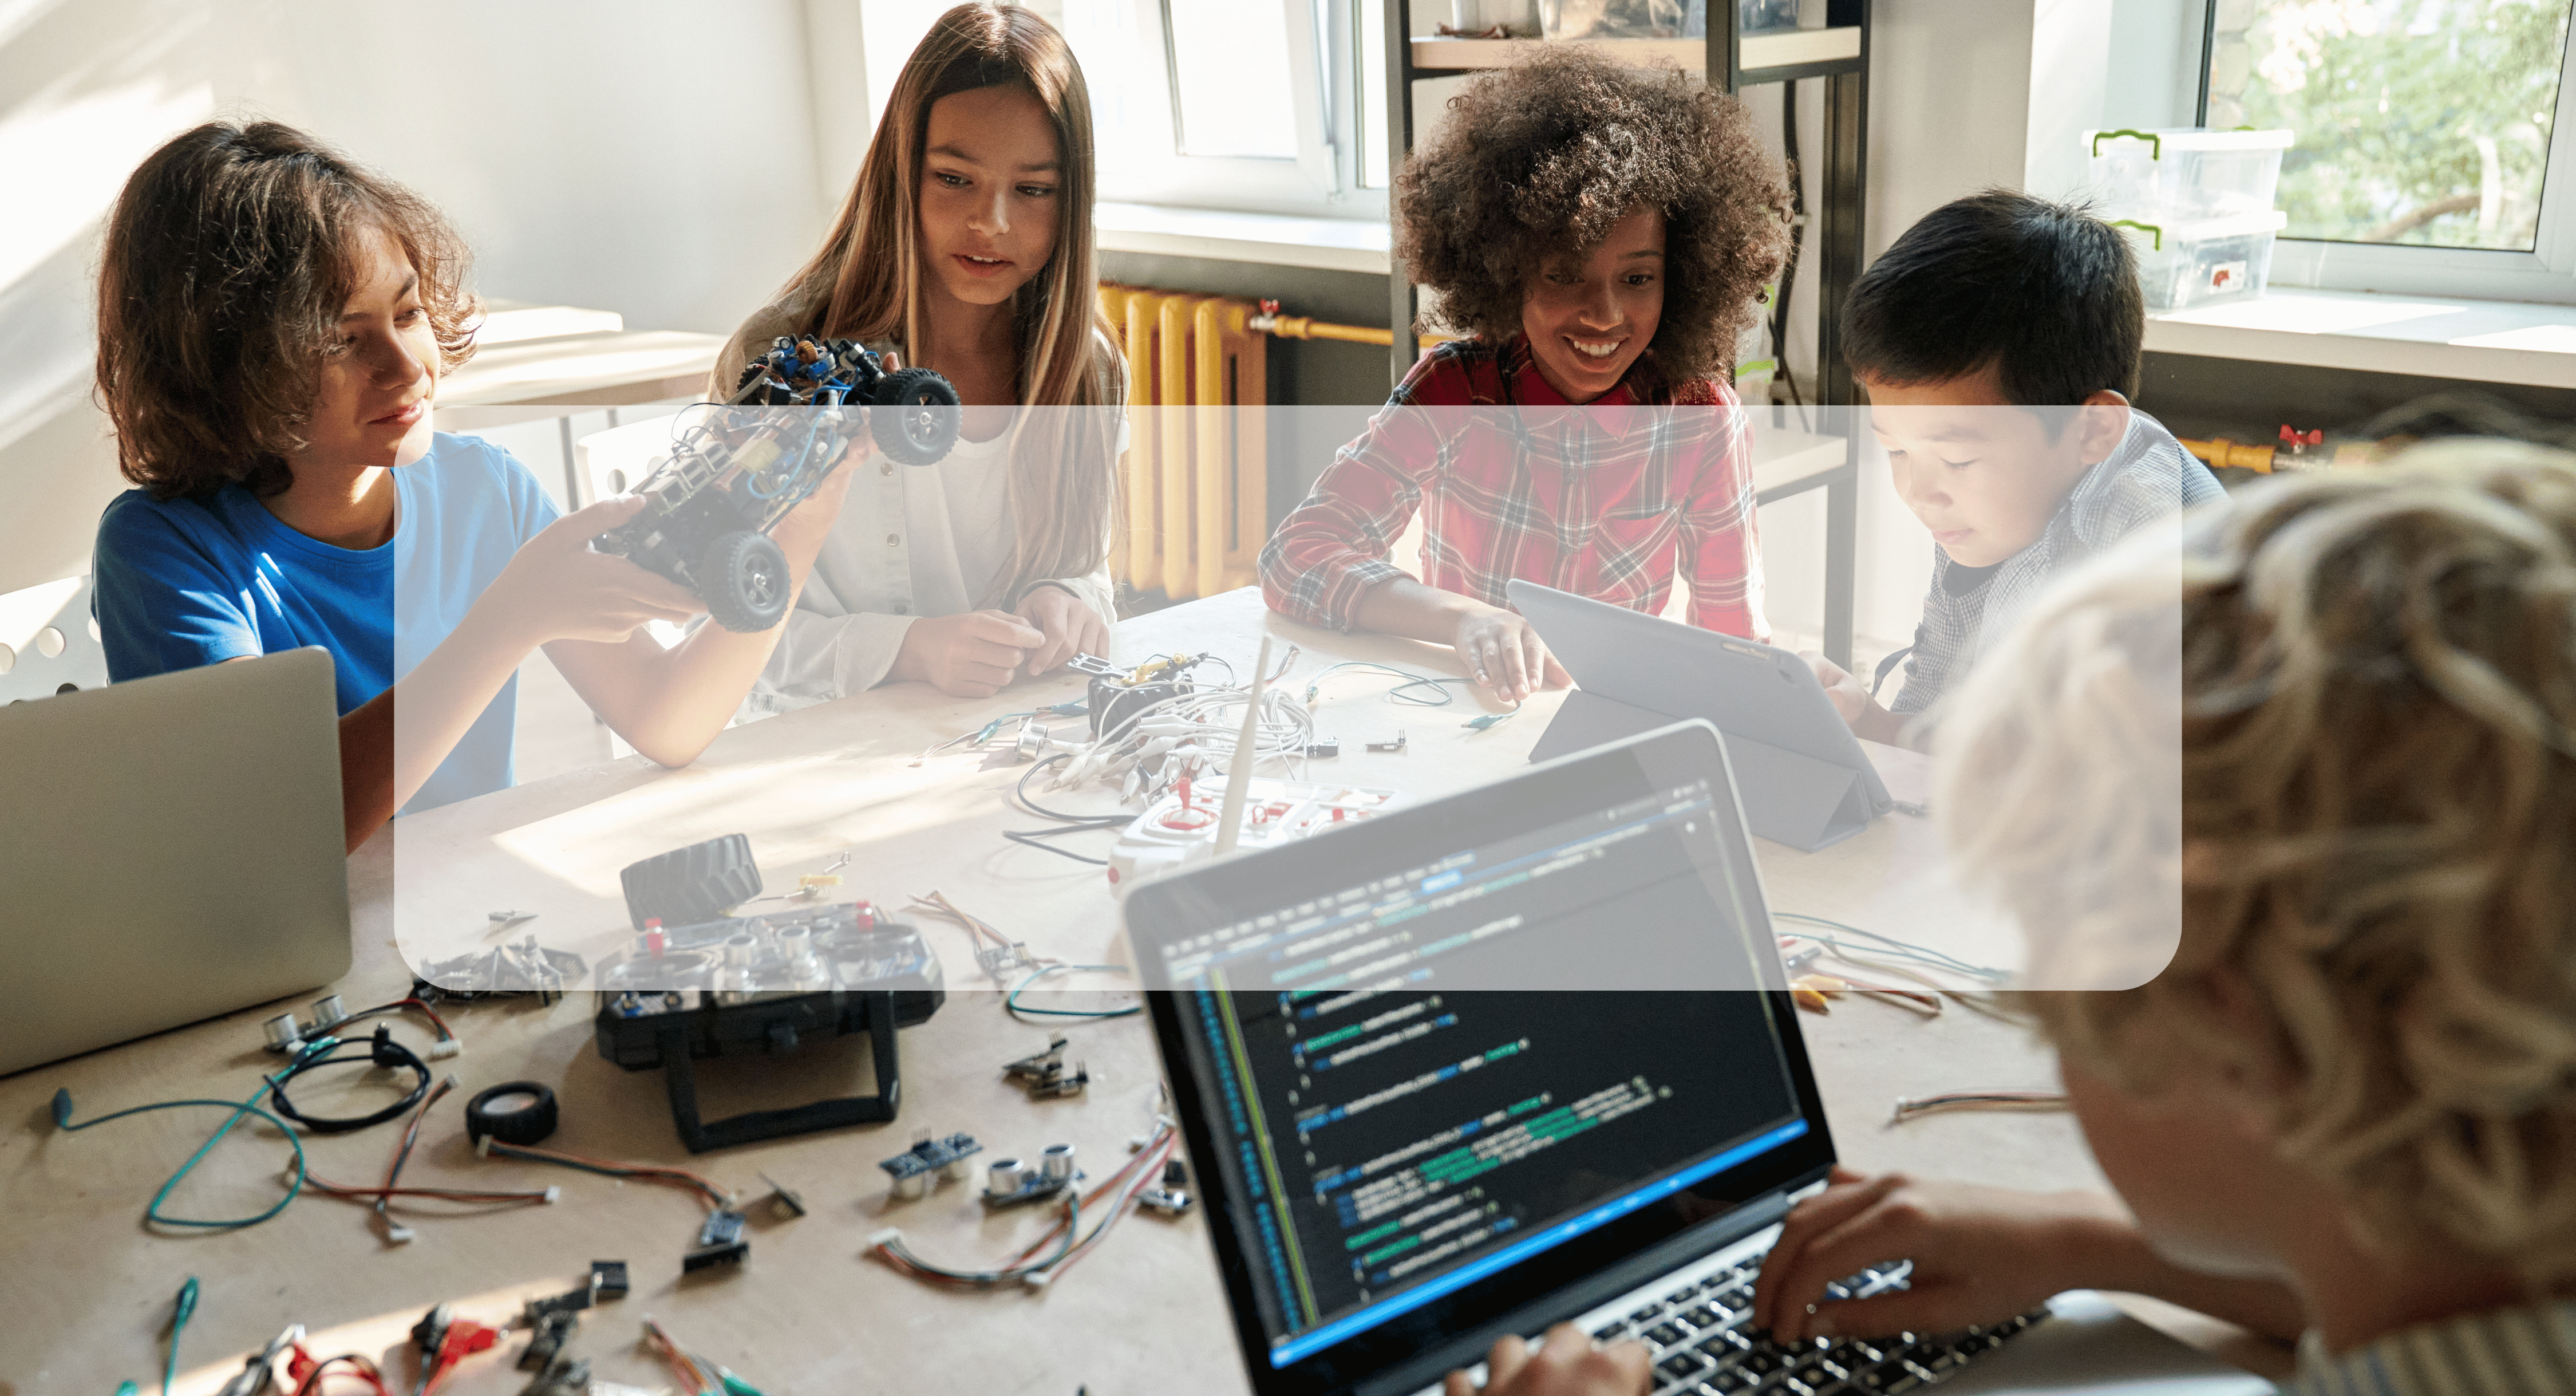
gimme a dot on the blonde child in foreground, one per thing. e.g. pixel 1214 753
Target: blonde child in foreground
pixel 2357 1077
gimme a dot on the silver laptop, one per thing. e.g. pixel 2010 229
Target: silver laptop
pixel 1806 781
pixel 1423 1112
pixel 170 849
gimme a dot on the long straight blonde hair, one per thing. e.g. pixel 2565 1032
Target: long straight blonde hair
pixel 866 282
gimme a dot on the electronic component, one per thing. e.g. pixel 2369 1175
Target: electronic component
pixel 516 1112
pixel 285 1034
pixel 1115 695
pixel 915 1168
pixel 768 984
pixel 1010 1182
pixel 548 1332
pixel 607 1279
pixel 258 1371
pixel 1031 742
pixel 1046 1076
pixel 1396 745
pixel 1000 962
pixel 561 1376
pixel 571 1301
pixel 1181 827
pixel 783 1200
pixel 719 1242
pixel 1169 1202
pixel 1330 746
pixel 687 886
pixel 524 968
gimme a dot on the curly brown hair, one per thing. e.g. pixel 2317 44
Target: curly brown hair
pixel 228 260
pixel 1538 160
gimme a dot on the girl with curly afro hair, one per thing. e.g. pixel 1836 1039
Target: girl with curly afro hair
pixel 1600 236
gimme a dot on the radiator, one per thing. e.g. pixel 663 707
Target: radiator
pixel 1194 484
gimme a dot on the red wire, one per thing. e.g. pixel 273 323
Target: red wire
pixel 647 1171
pixel 311 1382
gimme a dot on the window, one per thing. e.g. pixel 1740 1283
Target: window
pixel 2425 160
pixel 1260 105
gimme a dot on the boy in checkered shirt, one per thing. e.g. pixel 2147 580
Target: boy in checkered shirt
pixel 1999 341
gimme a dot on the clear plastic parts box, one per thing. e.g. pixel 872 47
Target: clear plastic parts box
pixel 2218 259
pixel 2184 175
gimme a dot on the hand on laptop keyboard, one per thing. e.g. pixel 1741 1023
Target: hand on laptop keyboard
pixel 1565 1363
pixel 1981 1255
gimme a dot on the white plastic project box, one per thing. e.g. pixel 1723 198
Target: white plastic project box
pixel 2218 259
pixel 2186 174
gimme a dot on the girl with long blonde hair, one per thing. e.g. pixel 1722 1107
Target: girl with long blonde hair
pixel 965 246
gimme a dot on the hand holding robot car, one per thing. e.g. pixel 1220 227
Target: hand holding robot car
pixel 733 476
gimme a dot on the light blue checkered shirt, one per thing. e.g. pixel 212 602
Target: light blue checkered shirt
pixel 2146 477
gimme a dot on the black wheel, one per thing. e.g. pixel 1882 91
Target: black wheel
pixel 693 885
pixel 746 582
pixel 915 416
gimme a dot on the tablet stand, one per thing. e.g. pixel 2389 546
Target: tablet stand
pixel 1788 797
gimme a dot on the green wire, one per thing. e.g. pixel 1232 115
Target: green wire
pixel 178 1322
pixel 152 1210
pixel 1011 1001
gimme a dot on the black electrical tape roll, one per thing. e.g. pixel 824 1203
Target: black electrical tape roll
pixel 515 1112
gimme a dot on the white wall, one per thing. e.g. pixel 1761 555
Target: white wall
pixel 658 158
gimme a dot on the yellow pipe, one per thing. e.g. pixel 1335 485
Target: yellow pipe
pixel 2223 452
pixel 1306 327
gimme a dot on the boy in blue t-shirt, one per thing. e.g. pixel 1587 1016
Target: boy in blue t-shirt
pixel 273 322
pixel 1999 341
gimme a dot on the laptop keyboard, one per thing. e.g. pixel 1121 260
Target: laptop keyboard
pixel 1704 1344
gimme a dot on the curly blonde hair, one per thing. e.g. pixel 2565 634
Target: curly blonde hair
pixel 2373 680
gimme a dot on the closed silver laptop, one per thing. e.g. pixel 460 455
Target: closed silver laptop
pixel 170 849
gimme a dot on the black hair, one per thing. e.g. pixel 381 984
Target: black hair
pixel 2045 292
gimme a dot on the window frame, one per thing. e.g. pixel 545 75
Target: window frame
pixel 2546 274
pixel 1141 161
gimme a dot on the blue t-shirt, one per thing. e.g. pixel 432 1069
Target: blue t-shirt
pixel 185 582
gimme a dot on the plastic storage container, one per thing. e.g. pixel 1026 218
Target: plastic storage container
pixel 2218 259
pixel 2184 175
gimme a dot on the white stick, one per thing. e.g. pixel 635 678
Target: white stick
pixel 1238 776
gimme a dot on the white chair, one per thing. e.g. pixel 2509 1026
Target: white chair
pixel 48 643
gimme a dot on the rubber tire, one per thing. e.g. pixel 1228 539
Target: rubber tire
pixel 916 416
pixel 747 583
pixel 691 886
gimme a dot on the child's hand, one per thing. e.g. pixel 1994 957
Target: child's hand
pixel 1980 1255
pixel 557 588
pixel 1850 697
pixel 1503 652
pixel 801 533
pixel 966 656
pixel 1070 627
pixel 1569 1363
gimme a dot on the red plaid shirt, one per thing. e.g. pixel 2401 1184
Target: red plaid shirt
pixel 1607 500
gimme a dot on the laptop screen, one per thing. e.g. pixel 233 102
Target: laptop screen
pixel 1510 1033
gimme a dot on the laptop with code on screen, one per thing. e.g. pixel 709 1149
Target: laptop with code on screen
pixel 1518 1056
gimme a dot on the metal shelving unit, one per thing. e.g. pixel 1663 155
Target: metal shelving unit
pixel 1839 56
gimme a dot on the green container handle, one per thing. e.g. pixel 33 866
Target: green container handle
pixel 2155 143
pixel 2144 228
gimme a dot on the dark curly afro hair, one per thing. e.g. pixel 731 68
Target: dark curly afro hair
pixel 1537 161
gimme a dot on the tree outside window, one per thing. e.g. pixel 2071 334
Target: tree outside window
pixel 2421 122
